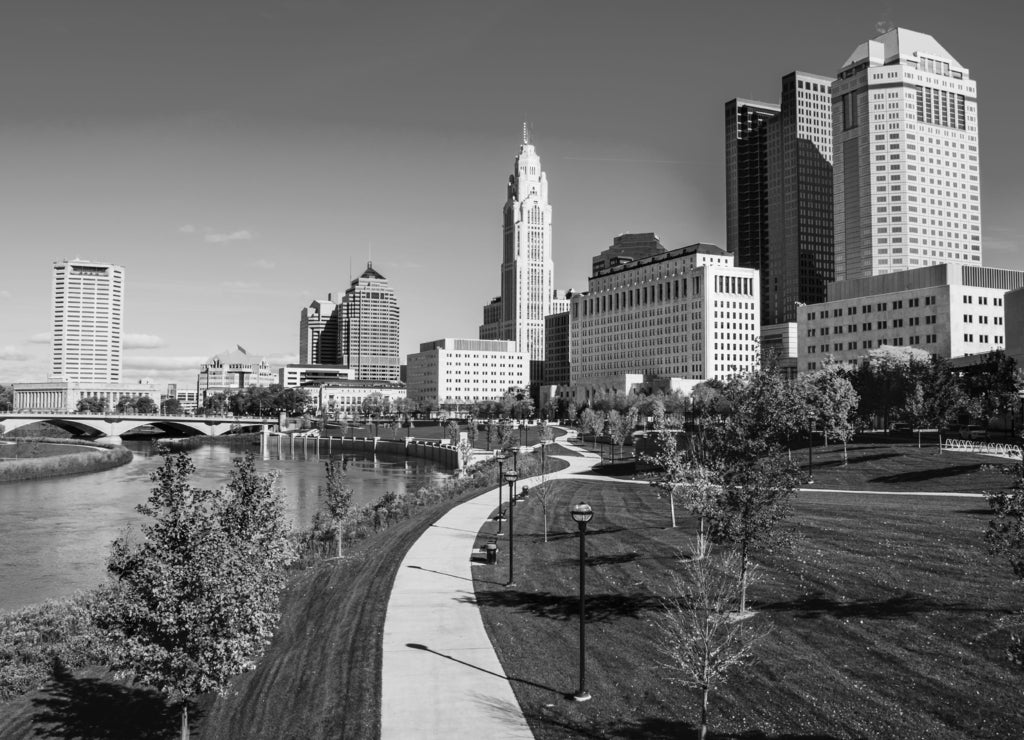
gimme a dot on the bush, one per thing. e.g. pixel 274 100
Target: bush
pixel 35 639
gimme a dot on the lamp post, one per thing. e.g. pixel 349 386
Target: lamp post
pixel 581 514
pixel 511 476
pixel 500 457
pixel 810 450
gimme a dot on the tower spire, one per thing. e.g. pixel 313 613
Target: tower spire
pixel 526 134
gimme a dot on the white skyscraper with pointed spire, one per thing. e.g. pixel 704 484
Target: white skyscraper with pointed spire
pixel 527 269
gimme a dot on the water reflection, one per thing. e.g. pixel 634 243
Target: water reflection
pixel 55 533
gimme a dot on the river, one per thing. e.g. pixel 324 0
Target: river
pixel 55 533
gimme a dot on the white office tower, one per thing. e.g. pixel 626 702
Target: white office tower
pixel 527 270
pixel 905 139
pixel 88 302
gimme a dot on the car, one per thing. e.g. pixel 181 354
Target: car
pixel 974 431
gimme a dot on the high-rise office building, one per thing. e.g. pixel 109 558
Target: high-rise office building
pixel 779 193
pixel 746 185
pixel 319 331
pixel 626 248
pixel 527 269
pixel 369 328
pixel 88 304
pixel 906 158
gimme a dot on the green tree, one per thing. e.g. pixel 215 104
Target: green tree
pixel 170 406
pixel 6 397
pixel 827 396
pixel 126 405
pixel 145 405
pixel 493 436
pixel 452 431
pixel 337 498
pixel 702 641
pixel 1005 536
pixel 92 405
pixel 195 600
pixel 753 500
pixel 507 435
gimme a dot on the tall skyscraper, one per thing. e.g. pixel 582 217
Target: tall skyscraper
pixel 906 158
pixel 88 302
pixel 779 193
pixel 319 332
pixel 527 269
pixel 746 185
pixel 369 328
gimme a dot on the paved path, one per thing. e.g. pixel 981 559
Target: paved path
pixel 441 677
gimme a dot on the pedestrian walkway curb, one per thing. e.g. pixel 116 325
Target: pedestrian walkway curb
pixel 440 676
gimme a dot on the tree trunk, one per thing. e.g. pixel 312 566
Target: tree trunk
pixel 337 538
pixel 918 439
pixel 702 733
pixel 846 458
pixel 184 720
pixel 545 524
pixel 672 506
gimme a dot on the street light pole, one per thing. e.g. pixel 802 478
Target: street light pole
pixel 810 451
pixel 500 457
pixel 581 514
pixel 511 477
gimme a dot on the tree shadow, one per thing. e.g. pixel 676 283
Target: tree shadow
pixel 976 512
pixel 599 607
pixel 814 607
pixel 625 557
pixel 100 709
pixel 920 475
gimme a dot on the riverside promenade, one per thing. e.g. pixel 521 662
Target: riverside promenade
pixel 440 675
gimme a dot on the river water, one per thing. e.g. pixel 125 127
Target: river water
pixel 55 533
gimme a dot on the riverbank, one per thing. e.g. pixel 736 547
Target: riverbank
pixel 319 678
pixel 97 457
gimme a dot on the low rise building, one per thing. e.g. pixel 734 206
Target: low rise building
pixel 948 310
pixel 343 399
pixel 63 396
pixel 688 313
pixel 460 371
pixel 232 371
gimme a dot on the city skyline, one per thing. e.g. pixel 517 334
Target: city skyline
pixel 219 153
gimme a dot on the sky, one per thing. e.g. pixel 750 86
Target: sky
pixel 241 159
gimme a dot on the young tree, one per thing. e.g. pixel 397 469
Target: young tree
pixel 915 409
pixel 828 396
pixel 701 639
pixel 170 406
pixel 588 421
pixel 546 435
pixel 507 435
pixel 6 397
pixel 195 601
pixel 92 405
pixel 337 498
pixel 372 405
pixel 493 436
pixel 616 428
pixel 572 412
pixel 753 499
pixel 125 405
pixel 452 431
pixel 464 448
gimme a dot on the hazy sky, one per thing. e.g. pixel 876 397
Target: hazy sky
pixel 238 157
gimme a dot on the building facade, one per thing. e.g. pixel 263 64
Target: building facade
pixel 370 328
pixel 63 396
pixel 779 192
pixel 948 311
pixel 343 399
pixel 689 313
pixel 1015 325
pixel 296 376
pixel 801 261
pixel 626 248
pixel 527 267
pixel 320 332
pixel 86 327
pixel 232 371
pixel 457 371
pixel 746 184
pixel 906 177
pixel 556 352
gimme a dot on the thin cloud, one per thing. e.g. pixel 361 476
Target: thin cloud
pixel 11 353
pixel 142 341
pixel 5 294
pixel 239 285
pixel 234 236
pixel 42 337
pixel 265 264
pixel 187 229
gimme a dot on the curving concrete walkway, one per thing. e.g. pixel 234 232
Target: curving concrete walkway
pixel 441 677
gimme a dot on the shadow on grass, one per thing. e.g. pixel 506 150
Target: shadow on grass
pixel 920 475
pixel 904 605
pixel 98 709
pixel 600 607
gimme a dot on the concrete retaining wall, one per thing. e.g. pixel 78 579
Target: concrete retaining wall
pixel 438 452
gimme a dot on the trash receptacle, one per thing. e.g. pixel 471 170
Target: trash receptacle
pixel 492 553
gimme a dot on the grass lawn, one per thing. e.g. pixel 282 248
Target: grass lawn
pixel 887 620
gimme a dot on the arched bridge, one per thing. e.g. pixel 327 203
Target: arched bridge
pixel 114 425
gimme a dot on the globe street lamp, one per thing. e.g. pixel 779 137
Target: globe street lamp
pixel 500 457
pixel 581 514
pixel 511 476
